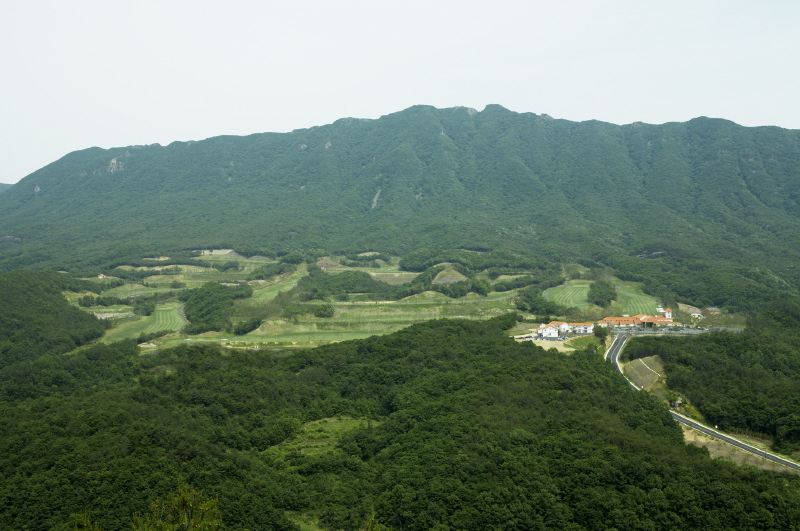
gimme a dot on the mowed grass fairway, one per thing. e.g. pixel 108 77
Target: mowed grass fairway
pixel 165 317
pixel 575 294
pixel 632 303
pixel 269 292
pixel 628 302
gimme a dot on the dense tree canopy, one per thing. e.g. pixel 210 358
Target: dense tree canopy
pixel 463 428
pixel 602 293
pixel 35 318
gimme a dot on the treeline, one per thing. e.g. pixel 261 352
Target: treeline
pixel 473 432
pixel 369 260
pixel 499 261
pixel 542 280
pixel 320 285
pixel 92 368
pixel 272 270
pixel 745 381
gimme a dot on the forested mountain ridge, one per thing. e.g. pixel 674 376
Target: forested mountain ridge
pixel 428 177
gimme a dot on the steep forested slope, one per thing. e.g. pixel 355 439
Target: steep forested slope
pixel 472 431
pixel 36 319
pixel 706 188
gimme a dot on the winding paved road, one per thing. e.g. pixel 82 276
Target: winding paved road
pixel 613 354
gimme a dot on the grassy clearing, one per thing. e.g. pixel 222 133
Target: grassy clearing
pixel 165 317
pixel 135 290
pixel 581 342
pixel 448 276
pixel 72 297
pixel 305 521
pixel 320 436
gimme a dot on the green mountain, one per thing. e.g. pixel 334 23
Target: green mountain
pixel 4 187
pixel 707 190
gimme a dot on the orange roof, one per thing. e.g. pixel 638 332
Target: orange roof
pixel 658 319
pixel 619 320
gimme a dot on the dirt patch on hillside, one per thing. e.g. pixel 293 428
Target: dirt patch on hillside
pixel 688 309
pixel 328 264
pixel 731 453
pixel 547 345
pixel 394 279
pixel 449 275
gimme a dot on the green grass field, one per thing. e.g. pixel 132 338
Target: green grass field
pixel 629 300
pixel 632 303
pixel 320 436
pixel 165 317
pixel 268 293
pixel 574 294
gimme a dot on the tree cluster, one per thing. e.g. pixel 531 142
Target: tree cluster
pixel 602 293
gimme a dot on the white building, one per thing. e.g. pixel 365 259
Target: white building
pixel 556 328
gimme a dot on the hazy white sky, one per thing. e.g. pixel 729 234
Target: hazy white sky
pixel 113 73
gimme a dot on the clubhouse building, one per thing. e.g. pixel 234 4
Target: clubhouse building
pixel 638 321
